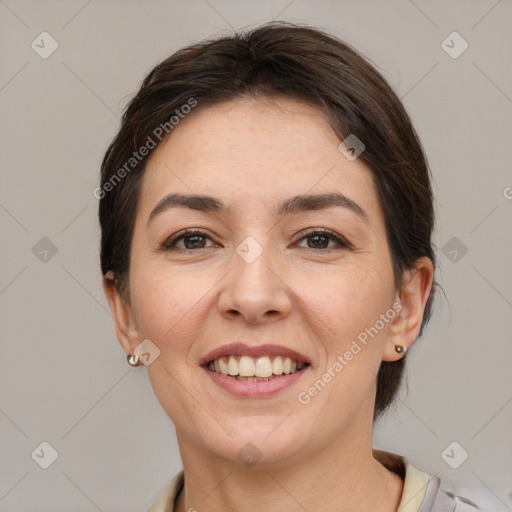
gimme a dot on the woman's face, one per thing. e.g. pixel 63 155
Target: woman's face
pixel 260 273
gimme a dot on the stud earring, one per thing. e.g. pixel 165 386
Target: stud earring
pixel 400 349
pixel 133 360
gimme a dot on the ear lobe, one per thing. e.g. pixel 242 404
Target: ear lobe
pixel 126 329
pixel 416 286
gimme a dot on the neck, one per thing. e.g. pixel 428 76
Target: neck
pixel 344 477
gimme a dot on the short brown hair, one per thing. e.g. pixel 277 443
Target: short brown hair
pixel 276 59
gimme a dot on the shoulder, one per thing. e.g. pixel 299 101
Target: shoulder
pixel 424 492
pixel 443 496
pixel 165 502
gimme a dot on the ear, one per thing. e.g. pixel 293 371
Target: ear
pixel 405 327
pixel 126 329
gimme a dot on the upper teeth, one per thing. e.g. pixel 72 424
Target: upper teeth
pixel 246 366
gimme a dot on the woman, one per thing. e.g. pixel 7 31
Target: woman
pixel 266 215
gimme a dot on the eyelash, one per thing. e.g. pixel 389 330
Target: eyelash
pixel 169 244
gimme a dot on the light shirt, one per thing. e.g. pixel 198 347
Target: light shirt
pixel 422 492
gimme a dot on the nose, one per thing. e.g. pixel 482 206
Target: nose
pixel 254 290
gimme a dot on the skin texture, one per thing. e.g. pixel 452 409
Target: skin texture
pixel 251 154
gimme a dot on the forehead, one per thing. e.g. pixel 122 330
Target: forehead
pixel 259 150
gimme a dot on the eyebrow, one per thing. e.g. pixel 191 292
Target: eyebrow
pixel 291 206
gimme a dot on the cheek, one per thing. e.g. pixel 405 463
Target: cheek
pixel 168 308
pixel 166 303
pixel 344 302
pixel 344 310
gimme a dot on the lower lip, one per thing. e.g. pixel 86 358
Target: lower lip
pixel 255 389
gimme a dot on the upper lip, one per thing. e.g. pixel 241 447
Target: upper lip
pixel 241 349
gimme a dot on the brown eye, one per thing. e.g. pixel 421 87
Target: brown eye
pixel 192 239
pixel 320 239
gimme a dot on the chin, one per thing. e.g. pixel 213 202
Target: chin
pixel 263 445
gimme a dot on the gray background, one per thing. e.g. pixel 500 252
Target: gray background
pixel 64 377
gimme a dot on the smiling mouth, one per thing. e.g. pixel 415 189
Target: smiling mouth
pixel 255 369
